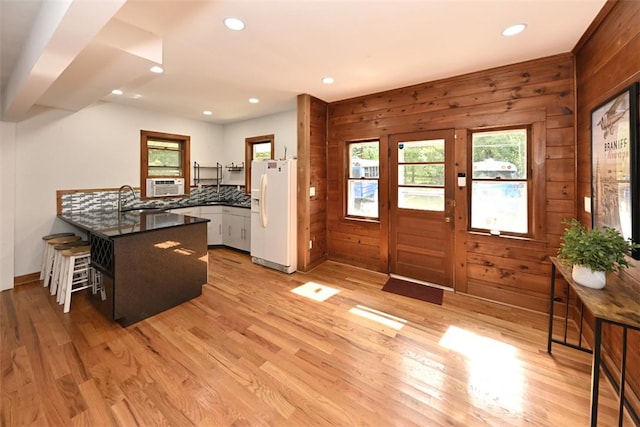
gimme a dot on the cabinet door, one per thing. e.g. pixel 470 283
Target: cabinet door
pixel 214 226
pixel 232 230
pixel 247 234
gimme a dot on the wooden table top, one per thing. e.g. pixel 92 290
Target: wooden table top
pixel 618 301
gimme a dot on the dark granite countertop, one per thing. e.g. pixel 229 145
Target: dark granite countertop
pixel 115 224
pixel 212 203
pixel 188 204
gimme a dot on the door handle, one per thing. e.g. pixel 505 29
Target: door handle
pixel 447 219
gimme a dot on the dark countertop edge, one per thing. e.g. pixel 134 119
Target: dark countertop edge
pixel 190 205
pixel 108 236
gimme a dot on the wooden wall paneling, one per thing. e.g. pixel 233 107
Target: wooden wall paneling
pixel 503 83
pixel 539 92
pixel 560 121
pixel 520 298
pixel 607 61
pixel 561 190
pixel 538 179
pixel 303 177
pixel 318 178
pixel 312 167
pixel 554 221
pixel 617 33
pixel 560 137
pixel 561 206
pixel 461 213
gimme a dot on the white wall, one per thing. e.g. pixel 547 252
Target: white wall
pixel 282 125
pixel 97 147
pixel 7 203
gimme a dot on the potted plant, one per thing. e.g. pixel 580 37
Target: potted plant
pixel 593 253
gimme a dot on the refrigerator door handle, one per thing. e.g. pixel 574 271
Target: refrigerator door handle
pixel 263 202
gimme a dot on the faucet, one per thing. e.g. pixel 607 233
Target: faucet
pixel 120 195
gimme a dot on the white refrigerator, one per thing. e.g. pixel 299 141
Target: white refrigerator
pixel 273 214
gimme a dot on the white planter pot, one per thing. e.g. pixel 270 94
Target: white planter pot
pixel 587 277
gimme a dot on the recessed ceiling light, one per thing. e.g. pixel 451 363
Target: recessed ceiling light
pixel 514 29
pixel 328 80
pixel 156 69
pixel 254 100
pixel 234 24
pixel 117 92
pixel 207 112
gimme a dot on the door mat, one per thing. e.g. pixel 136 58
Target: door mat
pixel 414 290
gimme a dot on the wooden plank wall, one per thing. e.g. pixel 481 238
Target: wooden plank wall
pixel 312 172
pixel 607 61
pixel 513 271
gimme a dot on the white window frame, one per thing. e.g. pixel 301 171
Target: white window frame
pixel 528 180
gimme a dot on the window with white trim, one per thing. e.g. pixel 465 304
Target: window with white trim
pixel 500 180
pixel 363 177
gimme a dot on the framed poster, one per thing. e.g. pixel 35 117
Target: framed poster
pixel 614 164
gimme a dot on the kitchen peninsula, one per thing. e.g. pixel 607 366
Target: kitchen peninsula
pixel 149 260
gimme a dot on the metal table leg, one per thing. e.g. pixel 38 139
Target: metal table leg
pixel 551 301
pixel 595 375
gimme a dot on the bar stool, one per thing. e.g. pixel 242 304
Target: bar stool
pixel 49 261
pixel 76 274
pixel 57 262
pixel 46 249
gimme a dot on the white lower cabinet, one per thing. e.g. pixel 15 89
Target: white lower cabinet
pixel 214 226
pixel 236 228
pixel 227 225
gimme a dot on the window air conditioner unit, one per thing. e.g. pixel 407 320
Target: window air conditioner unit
pixel 164 187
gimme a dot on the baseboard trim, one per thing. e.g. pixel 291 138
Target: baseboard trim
pixel 27 278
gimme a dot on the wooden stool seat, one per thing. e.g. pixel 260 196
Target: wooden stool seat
pixel 64 239
pixel 45 254
pixel 71 245
pixel 77 251
pixel 50 271
pixel 56 235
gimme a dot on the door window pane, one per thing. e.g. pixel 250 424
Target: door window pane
pixel 421 151
pixel 421 174
pixel 431 199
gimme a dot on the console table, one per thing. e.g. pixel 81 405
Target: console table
pixel 618 304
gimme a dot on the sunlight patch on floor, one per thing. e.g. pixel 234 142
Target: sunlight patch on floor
pixel 495 373
pixel 378 316
pixel 315 291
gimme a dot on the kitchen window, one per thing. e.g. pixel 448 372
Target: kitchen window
pixel 257 148
pixel 363 175
pixel 164 155
pixel 501 181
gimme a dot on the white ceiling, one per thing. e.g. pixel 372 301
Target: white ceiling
pixel 71 53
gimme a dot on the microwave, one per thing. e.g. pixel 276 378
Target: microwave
pixel 165 187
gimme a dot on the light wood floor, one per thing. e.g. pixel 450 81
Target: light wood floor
pixel 249 352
